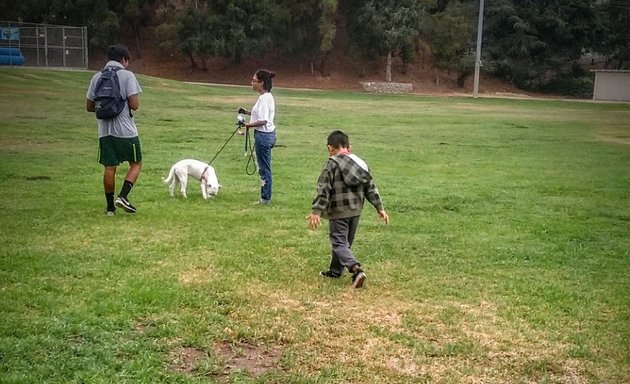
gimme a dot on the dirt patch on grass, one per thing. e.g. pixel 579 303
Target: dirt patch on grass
pixel 225 360
pixel 248 358
pixel 186 359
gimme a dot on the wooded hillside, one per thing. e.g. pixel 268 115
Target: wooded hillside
pixel 534 45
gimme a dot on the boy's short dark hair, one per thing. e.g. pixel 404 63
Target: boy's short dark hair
pixel 117 52
pixel 338 139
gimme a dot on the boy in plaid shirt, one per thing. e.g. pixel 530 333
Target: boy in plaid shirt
pixel 342 187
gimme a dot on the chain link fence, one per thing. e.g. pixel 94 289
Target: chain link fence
pixel 43 45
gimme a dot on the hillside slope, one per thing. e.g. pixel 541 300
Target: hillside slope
pixel 342 73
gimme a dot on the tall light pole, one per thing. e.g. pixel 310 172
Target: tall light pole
pixel 478 54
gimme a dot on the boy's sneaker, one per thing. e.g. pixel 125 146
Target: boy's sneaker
pixel 358 278
pixel 330 274
pixel 125 204
pixel 110 212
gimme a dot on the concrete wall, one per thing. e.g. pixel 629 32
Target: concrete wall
pixel 612 85
pixel 380 87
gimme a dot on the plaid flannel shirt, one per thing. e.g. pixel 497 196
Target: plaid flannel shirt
pixel 342 187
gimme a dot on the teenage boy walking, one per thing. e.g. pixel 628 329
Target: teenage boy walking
pixel 118 137
pixel 343 185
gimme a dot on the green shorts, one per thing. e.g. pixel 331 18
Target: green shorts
pixel 115 150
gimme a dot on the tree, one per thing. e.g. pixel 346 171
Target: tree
pixel 384 28
pixel 135 15
pixel 327 30
pixel 612 36
pixel 189 26
pixel 298 20
pixel 534 42
pixel 102 23
pixel 240 26
pixel 451 36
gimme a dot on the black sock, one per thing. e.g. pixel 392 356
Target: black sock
pixel 126 188
pixel 109 197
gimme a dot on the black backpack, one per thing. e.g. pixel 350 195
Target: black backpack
pixel 108 101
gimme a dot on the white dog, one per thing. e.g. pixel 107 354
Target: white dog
pixel 199 170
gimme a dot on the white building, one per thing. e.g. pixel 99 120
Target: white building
pixel 613 85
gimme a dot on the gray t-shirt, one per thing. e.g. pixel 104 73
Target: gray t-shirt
pixel 123 124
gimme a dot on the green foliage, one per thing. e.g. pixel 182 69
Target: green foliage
pixel 385 27
pixel 298 20
pixel 327 26
pixel 611 38
pixel 572 86
pixel 506 260
pixel 451 36
pixel 226 29
pixel 531 43
pixel 135 16
pixel 191 27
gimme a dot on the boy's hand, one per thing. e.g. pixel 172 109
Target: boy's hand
pixel 384 216
pixel 313 221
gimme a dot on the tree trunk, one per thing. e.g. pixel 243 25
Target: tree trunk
pixel 388 69
pixel 192 61
pixel 323 69
pixel 138 45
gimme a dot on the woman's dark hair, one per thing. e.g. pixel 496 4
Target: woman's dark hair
pixel 265 76
pixel 338 139
pixel 117 52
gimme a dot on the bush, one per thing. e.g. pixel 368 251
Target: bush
pixel 570 86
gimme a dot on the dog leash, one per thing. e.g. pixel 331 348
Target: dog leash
pixel 227 141
pixel 248 143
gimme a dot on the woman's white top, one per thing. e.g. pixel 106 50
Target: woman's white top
pixel 264 109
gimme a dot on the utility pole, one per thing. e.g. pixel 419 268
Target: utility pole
pixel 478 54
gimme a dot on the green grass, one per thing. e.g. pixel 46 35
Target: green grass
pixel 506 260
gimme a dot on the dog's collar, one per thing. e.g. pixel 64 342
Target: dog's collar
pixel 204 174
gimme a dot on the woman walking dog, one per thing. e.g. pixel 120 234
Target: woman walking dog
pixel 262 116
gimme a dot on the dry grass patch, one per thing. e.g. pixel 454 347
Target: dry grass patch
pixel 195 276
pixel 614 136
pixel 416 340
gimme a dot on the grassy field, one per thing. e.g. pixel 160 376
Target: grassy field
pixel 507 259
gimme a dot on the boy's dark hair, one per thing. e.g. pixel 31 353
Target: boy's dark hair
pixel 338 139
pixel 117 52
pixel 265 76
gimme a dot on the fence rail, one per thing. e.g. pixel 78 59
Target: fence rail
pixel 45 45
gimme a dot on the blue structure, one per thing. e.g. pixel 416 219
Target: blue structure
pixel 11 56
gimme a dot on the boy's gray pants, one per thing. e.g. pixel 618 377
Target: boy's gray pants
pixel 341 234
